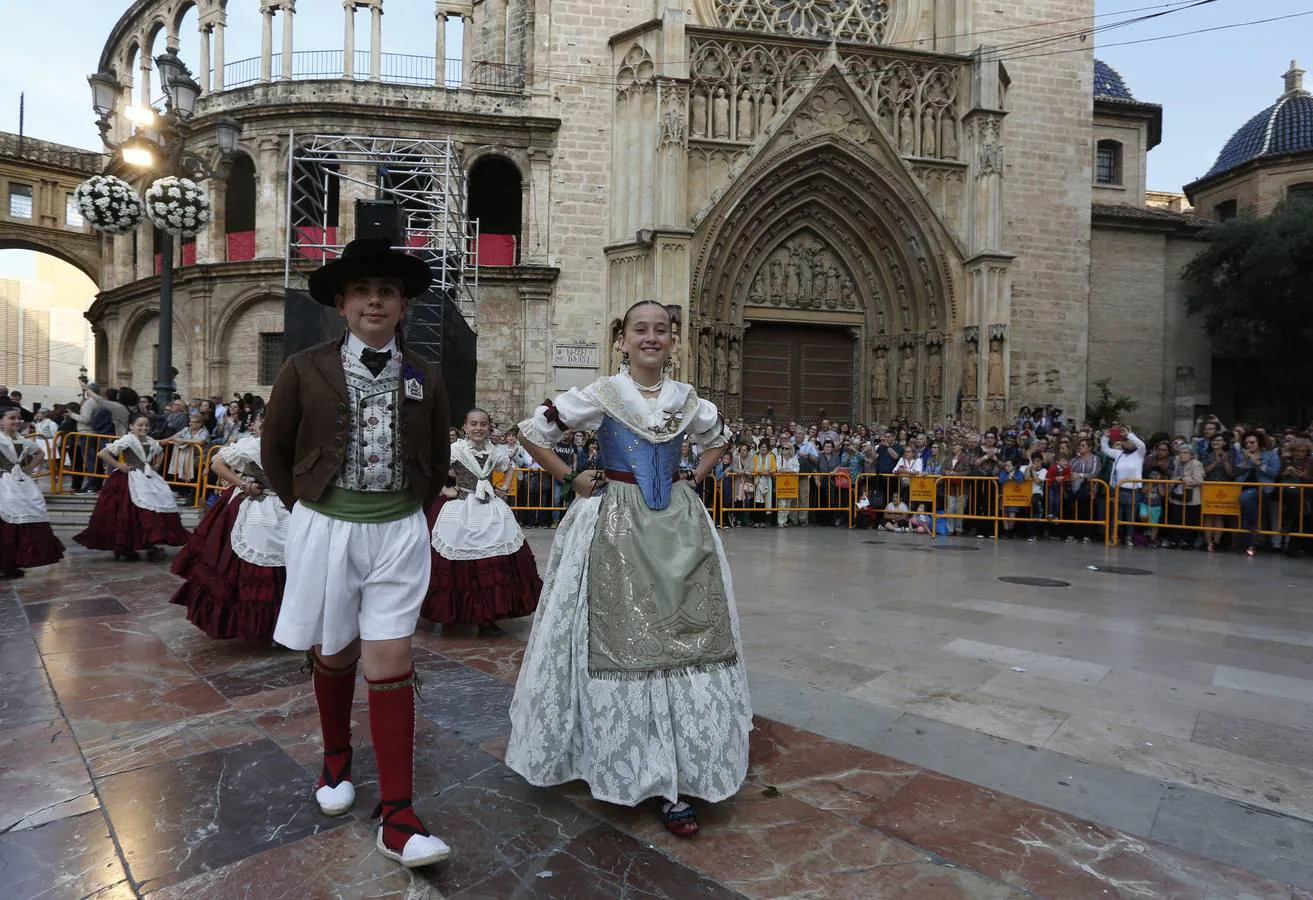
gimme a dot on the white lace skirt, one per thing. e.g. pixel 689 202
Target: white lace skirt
pixel 469 529
pixel 21 500
pixel 151 492
pixel 662 736
pixel 259 535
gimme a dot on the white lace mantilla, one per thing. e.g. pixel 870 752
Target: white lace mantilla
pixel 661 736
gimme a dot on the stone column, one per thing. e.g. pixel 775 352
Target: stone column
pixel 204 73
pixel 145 250
pixel 218 56
pixel 266 44
pixel 467 34
pixel 289 15
pixel 376 44
pixel 209 240
pixel 672 155
pixel 270 201
pixel 146 63
pixel 440 49
pixel 349 40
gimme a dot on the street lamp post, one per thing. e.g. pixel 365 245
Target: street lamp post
pixel 164 136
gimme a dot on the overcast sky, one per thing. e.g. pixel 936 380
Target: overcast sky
pixel 1209 83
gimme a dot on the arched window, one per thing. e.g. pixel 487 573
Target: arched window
pixel 1108 163
pixel 495 201
pixel 239 209
pixel 1300 193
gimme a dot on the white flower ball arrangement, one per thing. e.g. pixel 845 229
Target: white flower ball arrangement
pixel 108 204
pixel 177 206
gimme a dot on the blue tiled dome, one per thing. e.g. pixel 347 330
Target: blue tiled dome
pixel 1284 127
pixel 1108 83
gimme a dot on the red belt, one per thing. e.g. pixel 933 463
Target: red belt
pixel 628 477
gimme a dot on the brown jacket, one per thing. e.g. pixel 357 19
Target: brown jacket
pixel 306 426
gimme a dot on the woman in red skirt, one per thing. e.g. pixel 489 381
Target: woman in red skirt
pixel 26 540
pixel 233 564
pixel 482 568
pixel 136 509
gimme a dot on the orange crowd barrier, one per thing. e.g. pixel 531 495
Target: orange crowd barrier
pixel 1250 510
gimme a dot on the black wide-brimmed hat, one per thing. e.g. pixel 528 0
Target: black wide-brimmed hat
pixel 369 258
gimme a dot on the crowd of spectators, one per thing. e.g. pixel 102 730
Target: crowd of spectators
pixel 189 429
pixel 1080 477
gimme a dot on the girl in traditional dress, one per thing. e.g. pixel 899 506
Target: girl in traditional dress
pixel 135 510
pixel 26 540
pixel 233 564
pixel 482 568
pixel 633 678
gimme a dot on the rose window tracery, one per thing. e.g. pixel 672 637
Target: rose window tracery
pixel 861 21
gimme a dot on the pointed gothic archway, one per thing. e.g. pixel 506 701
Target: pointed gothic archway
pixel 828 227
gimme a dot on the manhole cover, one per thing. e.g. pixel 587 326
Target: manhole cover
pixel 1119 570
pixel 872 542
pixel 919 549
pixel 1034 582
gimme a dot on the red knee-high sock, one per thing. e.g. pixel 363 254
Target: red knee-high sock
pixel 334 691
pixel 392 725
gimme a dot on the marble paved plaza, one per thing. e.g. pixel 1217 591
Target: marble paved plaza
pixel 925 730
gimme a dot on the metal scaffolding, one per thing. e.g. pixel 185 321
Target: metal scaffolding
pixel 425 178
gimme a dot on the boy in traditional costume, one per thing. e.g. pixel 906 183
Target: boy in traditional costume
pixel 355 445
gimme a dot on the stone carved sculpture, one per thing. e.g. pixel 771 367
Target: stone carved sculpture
pixel 804 273
pixel 722 365
pixel 1053 381
pixel 994 382
pixel 907 375
pixel 757 293
pixel 934 381
pixel 905 308
pixel 699 115
pixel 847 294
pixel 672 127
pixel 881 324
pixel 745 116
pixel 933 311
pixel 704 358
pixel 970 371
pixel 948 137
pixel 791 282
pixel 928 130
pixel 776 282
pixel 832 288
pixel 720 115
pixel 859 21
pixel 767 112
pixel 906 138
pixel 880 374
pixel 735 367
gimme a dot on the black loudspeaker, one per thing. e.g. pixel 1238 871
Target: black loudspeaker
pixel 379 219
pixel 307 322
pixel 439 333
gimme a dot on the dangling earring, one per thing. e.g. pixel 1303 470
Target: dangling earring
pixel 670 365
pixel 624 360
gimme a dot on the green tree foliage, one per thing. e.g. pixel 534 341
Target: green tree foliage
pixel 1253 286
pixel 1107 409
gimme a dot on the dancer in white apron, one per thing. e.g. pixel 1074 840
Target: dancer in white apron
pixel 26 540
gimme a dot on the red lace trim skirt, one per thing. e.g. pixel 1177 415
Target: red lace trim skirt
pixel 28 546
pixel 116 524
pixel 480 591
pixel 225 596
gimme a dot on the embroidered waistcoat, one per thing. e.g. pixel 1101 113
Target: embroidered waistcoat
pixel 653 465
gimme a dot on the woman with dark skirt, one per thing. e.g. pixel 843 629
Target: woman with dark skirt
pixel 482 568
pixel 26 540
pixel 136 509
pixel 234 565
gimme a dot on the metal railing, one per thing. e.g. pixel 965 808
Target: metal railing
pixel 394 68
pixel 1248 510
pixel 182 465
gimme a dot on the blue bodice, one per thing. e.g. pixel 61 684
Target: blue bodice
pixel 653 465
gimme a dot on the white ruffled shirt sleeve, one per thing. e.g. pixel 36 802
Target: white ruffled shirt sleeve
pixel 117 447
pixel 707 429
pixel 238 453
pixel 573 410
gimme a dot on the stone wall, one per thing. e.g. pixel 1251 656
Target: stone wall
pixel 1046 200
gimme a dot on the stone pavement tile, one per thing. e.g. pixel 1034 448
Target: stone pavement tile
pixel 815 671
pixel 936 698
pixel 42 776
pixel 124 635
pixel 13 620
pixel 775 847
pixel 1255 739
pixel 1175 719
pixel 496 821
pixel 26 696
pixel 1101 793
pixel 833 715
pixel 82 607
pixel 111 747
pixel 836 777
pixel 1060 668
pixel 1284 789
pixel 953 613
pixel 498 657
pixel 1269 648
pixel 1261 841
pixel 599 864
pixel 1224 700
pixel 1050 854
pixel 178 818
pixel 1021 609
pixel 467 702
pixel 333 865
pixel 69 859
pixel 1289 687
pixel 238 669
